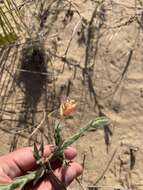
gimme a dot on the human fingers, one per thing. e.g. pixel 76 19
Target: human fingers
pixel 20 161
pixel 68 173
pixel 61 177
pixel 62 174
pixel 70 153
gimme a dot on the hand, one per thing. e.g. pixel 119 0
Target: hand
pixel 20 161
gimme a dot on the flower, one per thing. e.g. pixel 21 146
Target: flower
pixel 68 107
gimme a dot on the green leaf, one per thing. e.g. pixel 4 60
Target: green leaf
pixel 94 124
pixel 41 149
pixel 19 182
pixel 36 153
pixel 99 123
pixel 39 174
pixel 57 134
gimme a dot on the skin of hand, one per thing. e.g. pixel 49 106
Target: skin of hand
pixel 20 161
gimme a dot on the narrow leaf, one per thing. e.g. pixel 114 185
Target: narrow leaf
pixel 94 124
pixel 36 154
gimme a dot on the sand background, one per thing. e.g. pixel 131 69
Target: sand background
pixel 102 70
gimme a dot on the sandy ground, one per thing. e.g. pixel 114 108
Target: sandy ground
pixel 111 46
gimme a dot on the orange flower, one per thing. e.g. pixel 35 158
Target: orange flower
pixel 68 107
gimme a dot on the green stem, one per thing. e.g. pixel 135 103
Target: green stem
pixel 98 122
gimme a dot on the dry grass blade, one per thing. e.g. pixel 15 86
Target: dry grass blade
pixel 7 33
pixel 37 128
pixel 10 23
